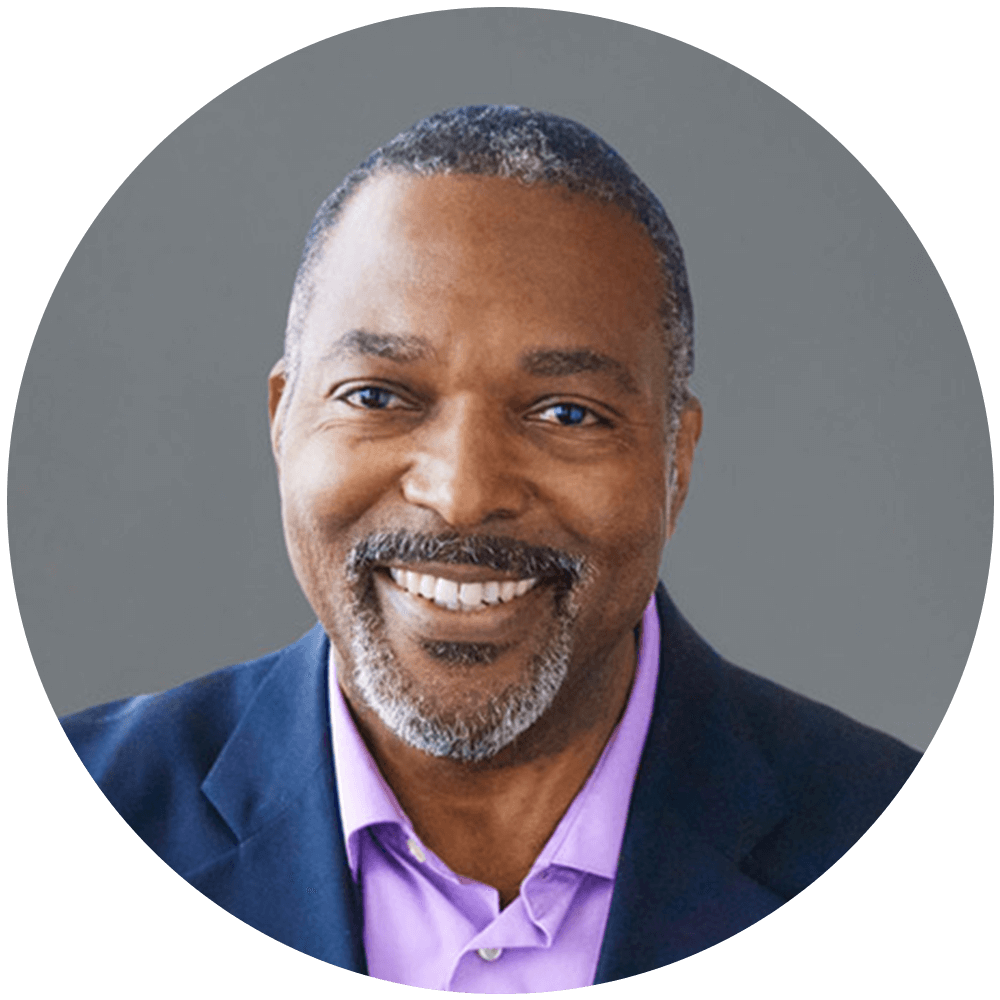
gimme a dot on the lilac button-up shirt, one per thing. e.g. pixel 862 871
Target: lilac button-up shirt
pixel 426 926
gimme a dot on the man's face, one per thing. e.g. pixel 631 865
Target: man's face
pixel 474 460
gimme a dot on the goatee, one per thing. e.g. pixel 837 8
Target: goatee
pixel 380 681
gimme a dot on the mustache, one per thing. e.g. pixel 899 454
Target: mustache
pixel 506 555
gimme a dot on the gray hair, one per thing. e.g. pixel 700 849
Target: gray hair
pixel 530 146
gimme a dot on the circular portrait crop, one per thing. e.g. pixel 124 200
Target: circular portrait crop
pixel 475 501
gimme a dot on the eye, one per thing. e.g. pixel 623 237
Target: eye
pixel 373 397
pixel 569 415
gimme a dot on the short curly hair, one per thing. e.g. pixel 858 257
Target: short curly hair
pixel 531 146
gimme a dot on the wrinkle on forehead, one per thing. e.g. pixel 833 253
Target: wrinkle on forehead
pixel 529 244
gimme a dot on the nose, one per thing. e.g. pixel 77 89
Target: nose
pixel 466 469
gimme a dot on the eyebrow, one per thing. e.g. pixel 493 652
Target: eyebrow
pixel 554 363
pixel 545 362
pixel 393 346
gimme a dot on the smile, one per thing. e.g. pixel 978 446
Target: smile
pixel 457 596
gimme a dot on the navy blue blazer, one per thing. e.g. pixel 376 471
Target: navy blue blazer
pixel 745 794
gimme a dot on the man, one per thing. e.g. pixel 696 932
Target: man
pixel 502 761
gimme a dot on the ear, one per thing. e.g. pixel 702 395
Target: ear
pixel 277 383
pixel 687 440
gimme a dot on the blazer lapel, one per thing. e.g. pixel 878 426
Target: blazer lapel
pixel 703 797
pixel 273 784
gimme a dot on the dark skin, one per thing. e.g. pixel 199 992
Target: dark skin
pixel 483 357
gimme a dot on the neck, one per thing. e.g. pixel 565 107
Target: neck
pixel 490 820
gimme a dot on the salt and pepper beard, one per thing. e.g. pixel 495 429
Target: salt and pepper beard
pixel 378 678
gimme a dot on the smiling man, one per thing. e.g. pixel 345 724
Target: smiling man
pixel 502 761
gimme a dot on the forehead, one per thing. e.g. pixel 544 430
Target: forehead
pixel 453 251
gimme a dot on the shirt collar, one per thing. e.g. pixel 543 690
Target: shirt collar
pixel 589 835
pixel 365 797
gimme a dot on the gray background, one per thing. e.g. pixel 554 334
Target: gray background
pixel 837 533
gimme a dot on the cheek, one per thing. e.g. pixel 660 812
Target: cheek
pixel 326 488
pixel 619 514
pixel 620 522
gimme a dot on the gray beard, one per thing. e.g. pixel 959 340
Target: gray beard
pixel 382 683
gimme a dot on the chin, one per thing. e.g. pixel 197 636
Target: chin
pixel 417 712
pixel 454 680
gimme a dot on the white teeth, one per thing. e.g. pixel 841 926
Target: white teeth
pixel 446 592
pixel 466 596
pixel 470 594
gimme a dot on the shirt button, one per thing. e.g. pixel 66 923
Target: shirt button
pixel 489 954
pixel 416 850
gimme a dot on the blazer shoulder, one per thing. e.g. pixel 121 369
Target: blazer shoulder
pixel 803 741
pixel 836 775
pixel 783 784
pixel 151 755
pixel 797 734
pixel 185 725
